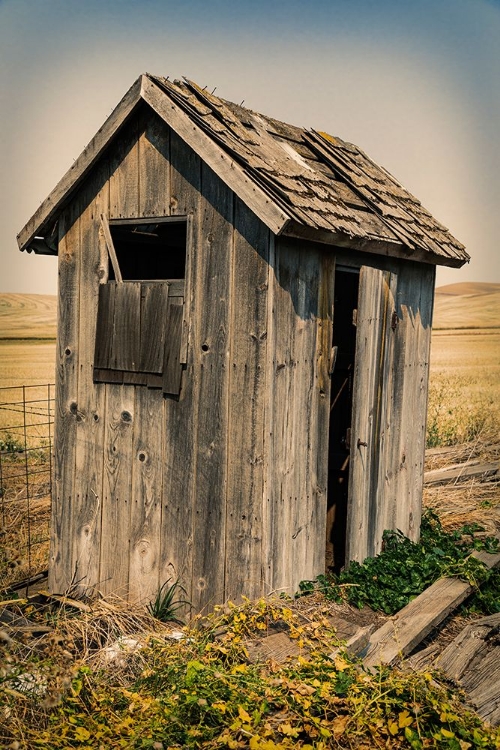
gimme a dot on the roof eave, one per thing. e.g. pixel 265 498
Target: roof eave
pixel 373 245
pixel 46 213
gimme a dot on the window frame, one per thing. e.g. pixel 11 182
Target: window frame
pixel 177 289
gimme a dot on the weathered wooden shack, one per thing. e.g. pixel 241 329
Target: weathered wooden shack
pixel 243 350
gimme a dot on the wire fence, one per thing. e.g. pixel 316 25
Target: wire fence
pixel 26 439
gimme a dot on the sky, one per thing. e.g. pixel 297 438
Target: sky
pixel 414 84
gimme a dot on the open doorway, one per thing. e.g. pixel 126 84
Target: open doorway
pixel 344 345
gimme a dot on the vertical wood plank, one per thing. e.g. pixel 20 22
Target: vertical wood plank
pixel 244 573
pixel 383 504
pixel 154 165
pixel 154 307
pixel 124 173
pixel 269 447
pixel 180 415
pixel 298 508
pixel 145 517
pixel 373 306
pixel 390 406
pixel 117 490
pixel 414 302
pixel 105 317
pixel 149 429
pixel 93 200
pixel 124 202
pixel 172 370
pixel 212 294
pixel 126 345
pixel 320 416
pixel 66 399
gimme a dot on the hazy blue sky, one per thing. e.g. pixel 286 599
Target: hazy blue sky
pixel 415 84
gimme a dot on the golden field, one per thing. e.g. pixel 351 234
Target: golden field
pixel 27 339
pixel 28 316
pixel 464 400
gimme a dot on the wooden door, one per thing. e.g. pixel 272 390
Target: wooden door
pixel 372 362
pixel 390 393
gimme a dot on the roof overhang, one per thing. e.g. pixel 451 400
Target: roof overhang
pixel 374 245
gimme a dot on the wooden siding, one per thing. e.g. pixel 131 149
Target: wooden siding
pixel 166 487
pixel 248 378
pixel 299 395
pixel 390 405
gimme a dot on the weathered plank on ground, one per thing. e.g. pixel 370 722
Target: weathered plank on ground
pixel 473 660
pixel 399 635
pixel 459 472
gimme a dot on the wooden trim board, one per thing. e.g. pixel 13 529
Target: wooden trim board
pixel 81 167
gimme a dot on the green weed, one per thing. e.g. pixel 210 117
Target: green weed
pixel 405 568
pixel 166 604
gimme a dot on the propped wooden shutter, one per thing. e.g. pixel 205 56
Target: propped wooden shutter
pixel 138 335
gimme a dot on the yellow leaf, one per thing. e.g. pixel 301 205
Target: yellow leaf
pixel 447 733
pixel 393 727
pixel 220 707
pixel 244 716
pixel 254 743
pixel 82 734
pixel 404 719
pixel 340 664
pixel 288 730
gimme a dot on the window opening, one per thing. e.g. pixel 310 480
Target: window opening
pixel 149 251
pixel 140 311
pixel 341 399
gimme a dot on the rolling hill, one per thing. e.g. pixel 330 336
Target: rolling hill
pixel 28 316
pixel 468 304
pixel 463 305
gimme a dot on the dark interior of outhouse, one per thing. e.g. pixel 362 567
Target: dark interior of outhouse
pixel 150 251
pixel 341 400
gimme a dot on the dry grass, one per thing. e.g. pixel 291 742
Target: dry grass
pixel 464 398
pixel 24 516
pixel 464 415
pixel 467 502
pixel 26 361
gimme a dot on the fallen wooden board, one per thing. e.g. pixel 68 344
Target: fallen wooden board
pixel 459 472
pixel 277 647
pixel 473 661
pixel 405 630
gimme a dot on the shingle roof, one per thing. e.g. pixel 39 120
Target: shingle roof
pixel 296 180
pixel 318 180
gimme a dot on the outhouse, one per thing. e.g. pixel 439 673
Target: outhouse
pixel 243 343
